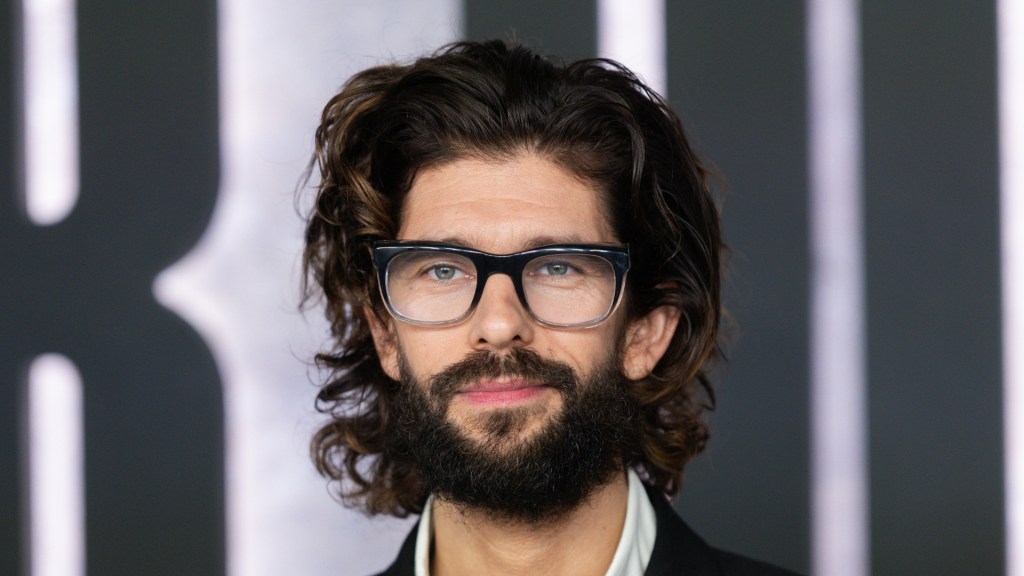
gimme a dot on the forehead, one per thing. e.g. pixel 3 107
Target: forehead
pixel 503 206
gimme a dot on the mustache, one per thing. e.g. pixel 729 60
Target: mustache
pixel 520 362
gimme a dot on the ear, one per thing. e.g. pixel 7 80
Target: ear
pixel 384 341
pixel 647 338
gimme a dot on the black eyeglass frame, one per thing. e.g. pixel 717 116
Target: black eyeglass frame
pixel 511 265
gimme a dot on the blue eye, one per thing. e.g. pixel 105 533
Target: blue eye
pixel 443 272
pixel 556 269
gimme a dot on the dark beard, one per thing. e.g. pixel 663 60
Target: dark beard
pixel 533 480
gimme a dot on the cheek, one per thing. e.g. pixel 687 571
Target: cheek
pixel 427 353
pixel 585 350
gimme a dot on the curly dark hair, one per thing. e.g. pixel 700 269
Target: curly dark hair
pixel 494 100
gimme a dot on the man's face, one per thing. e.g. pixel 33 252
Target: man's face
pixel 535 416
pixel 501 207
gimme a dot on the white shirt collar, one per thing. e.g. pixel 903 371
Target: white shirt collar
pixel 631 555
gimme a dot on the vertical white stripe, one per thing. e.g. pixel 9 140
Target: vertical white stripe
pixel 633 33
pixel 839 464
pixel 55 421
pixel 280 62
pixel 51 110
pixel 57 481
pixel 1011 160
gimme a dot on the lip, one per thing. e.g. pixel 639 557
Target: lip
pixel 491 392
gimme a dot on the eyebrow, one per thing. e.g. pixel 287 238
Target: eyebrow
pixel 549 240
pixel 530 244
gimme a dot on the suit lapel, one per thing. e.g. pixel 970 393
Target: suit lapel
pixel 677 548
pixel 405 563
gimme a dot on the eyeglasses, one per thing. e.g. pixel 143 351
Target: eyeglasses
pixel 565 286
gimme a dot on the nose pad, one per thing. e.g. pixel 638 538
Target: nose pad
pixel 500 318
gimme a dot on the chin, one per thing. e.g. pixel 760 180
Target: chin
pixel 528 460
pixel 504 426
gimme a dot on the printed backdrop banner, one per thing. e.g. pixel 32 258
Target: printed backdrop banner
pixel 172 285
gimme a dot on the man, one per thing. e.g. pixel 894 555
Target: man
pixel 521 267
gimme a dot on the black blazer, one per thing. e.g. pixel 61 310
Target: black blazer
pixel 678 550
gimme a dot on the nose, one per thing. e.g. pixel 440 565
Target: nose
pixel 499 321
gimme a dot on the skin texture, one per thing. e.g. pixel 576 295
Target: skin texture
pixel 503 207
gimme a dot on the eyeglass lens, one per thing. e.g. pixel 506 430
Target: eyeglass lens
pixel 564 289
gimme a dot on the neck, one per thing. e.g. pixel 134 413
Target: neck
pixel 582 541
